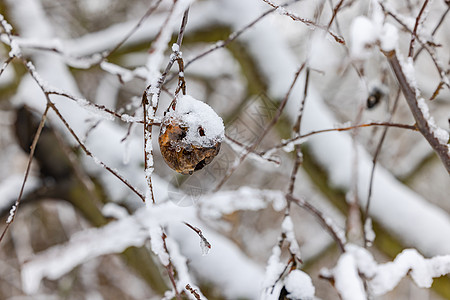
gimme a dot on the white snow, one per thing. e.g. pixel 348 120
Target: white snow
pixel 363 36
pixel 288 229
pixel 382 278
pixel 274 268
pixel 157 244
pixel 125 74
pixel 226 265
pixel 175 47
pixel 367 32
pixel 368 230
pixel 421 270
pixel 431 222
pixel 389 37
pixel 180 264
pixel 204 127
pixel 299 285
pixel 347 280
pixel 12 213
pixel 439 133
pixel 114 210
pixel 85 245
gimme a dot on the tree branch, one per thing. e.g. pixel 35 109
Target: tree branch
pixel 422 122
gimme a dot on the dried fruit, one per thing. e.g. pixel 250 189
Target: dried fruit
pixel 191 135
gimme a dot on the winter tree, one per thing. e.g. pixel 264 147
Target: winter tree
pixel 224 149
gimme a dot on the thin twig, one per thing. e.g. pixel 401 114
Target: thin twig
pixel 15 207
pixel 307 22
pixel 416 25
pixel 374 162
pixel 88 104
pixel 183 27
pixel 325 221
pixel 204 242
pixel 437 90
pixel 231 37
pixel 335 11
pixel 150 11
pixel 274 120
pixel 6 63
pixel 424 45
pixel 90 154
pixel 170 268
pixel 233 142
pixel 297 139
pixel 150 98
pixel 297 127
pixel 441 20
pixel 47 94
pixel 193 291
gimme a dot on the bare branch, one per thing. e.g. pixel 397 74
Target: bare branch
pixel 231 37
pixel 15 207
pixel 414 33
pixel 441 20
pixel 297 127
pixel 307 22
pixel 328 224
pixel 6 64
pixel 298 139
pixel 90 154
pixel 274 120
pixel 422 122
pixel 150 11
pixel 335 11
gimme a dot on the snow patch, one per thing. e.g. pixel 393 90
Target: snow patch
pixel 299 285
pixel 204 127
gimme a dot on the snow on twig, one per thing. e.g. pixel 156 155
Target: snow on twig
pixel 184 279
pixel 150 98
pixel 357 264
pixel 55 262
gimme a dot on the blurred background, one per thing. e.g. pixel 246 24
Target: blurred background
pixel 245 81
